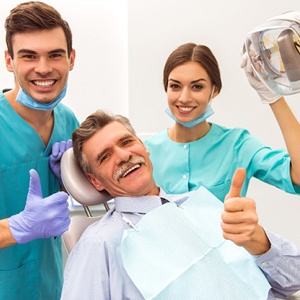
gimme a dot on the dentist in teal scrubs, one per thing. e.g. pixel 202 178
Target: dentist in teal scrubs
pixel 195 152
pixel 33 210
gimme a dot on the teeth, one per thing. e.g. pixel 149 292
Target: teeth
pixel 132 164
pixel 44 83
pixel 129 170
pixel 185 108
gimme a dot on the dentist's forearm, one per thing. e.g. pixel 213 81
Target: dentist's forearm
pixel 290 129
pixel 6 238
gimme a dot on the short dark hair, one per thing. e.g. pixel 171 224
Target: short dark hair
pixel 34 16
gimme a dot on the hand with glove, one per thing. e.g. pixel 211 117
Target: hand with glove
pixel 58 149
pixel 41 217
pixel 266 95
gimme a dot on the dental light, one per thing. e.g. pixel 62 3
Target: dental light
pixel 274 52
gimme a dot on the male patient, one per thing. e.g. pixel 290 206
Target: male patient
pixel 114 159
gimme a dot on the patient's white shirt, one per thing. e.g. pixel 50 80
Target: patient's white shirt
pixel 94 269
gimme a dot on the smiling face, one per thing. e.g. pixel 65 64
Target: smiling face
pixel 41 63
pixel 120 162
pixel 189 91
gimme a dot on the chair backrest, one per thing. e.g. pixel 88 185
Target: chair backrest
pixel 80 189
pixel 77 184
pixel 77 226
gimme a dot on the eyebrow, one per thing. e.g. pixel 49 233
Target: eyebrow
pixel 28 51
pixel 123 138
pixel 194 81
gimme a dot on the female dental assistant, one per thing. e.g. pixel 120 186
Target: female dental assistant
pixel 194 152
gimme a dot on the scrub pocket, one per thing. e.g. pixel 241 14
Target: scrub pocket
pixel 21 283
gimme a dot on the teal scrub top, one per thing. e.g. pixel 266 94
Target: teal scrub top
pixel 33 270
pixel 212 160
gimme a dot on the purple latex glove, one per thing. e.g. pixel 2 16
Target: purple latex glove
pixel 58 149
pixel 41 217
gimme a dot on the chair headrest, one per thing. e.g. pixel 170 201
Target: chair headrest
pixel 77 184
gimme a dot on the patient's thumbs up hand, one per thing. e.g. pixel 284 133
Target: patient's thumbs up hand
pixel 236 183
pixel 41 217
pixel 239 218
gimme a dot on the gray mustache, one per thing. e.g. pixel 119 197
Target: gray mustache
pixel 129 164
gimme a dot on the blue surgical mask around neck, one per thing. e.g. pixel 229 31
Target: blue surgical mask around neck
pixel 208 112
pixel 26 100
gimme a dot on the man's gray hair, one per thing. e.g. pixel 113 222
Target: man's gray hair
pixel 88 128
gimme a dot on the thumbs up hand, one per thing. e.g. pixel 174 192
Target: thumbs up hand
pixel 41 217
pixel 240 219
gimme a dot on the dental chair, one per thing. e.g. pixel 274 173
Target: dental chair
pixel 81 190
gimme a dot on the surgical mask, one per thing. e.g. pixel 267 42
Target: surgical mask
pixel 208 112
pixel 274 52
pixel 28 101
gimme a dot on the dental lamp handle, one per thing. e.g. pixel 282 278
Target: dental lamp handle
pixel 266 95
